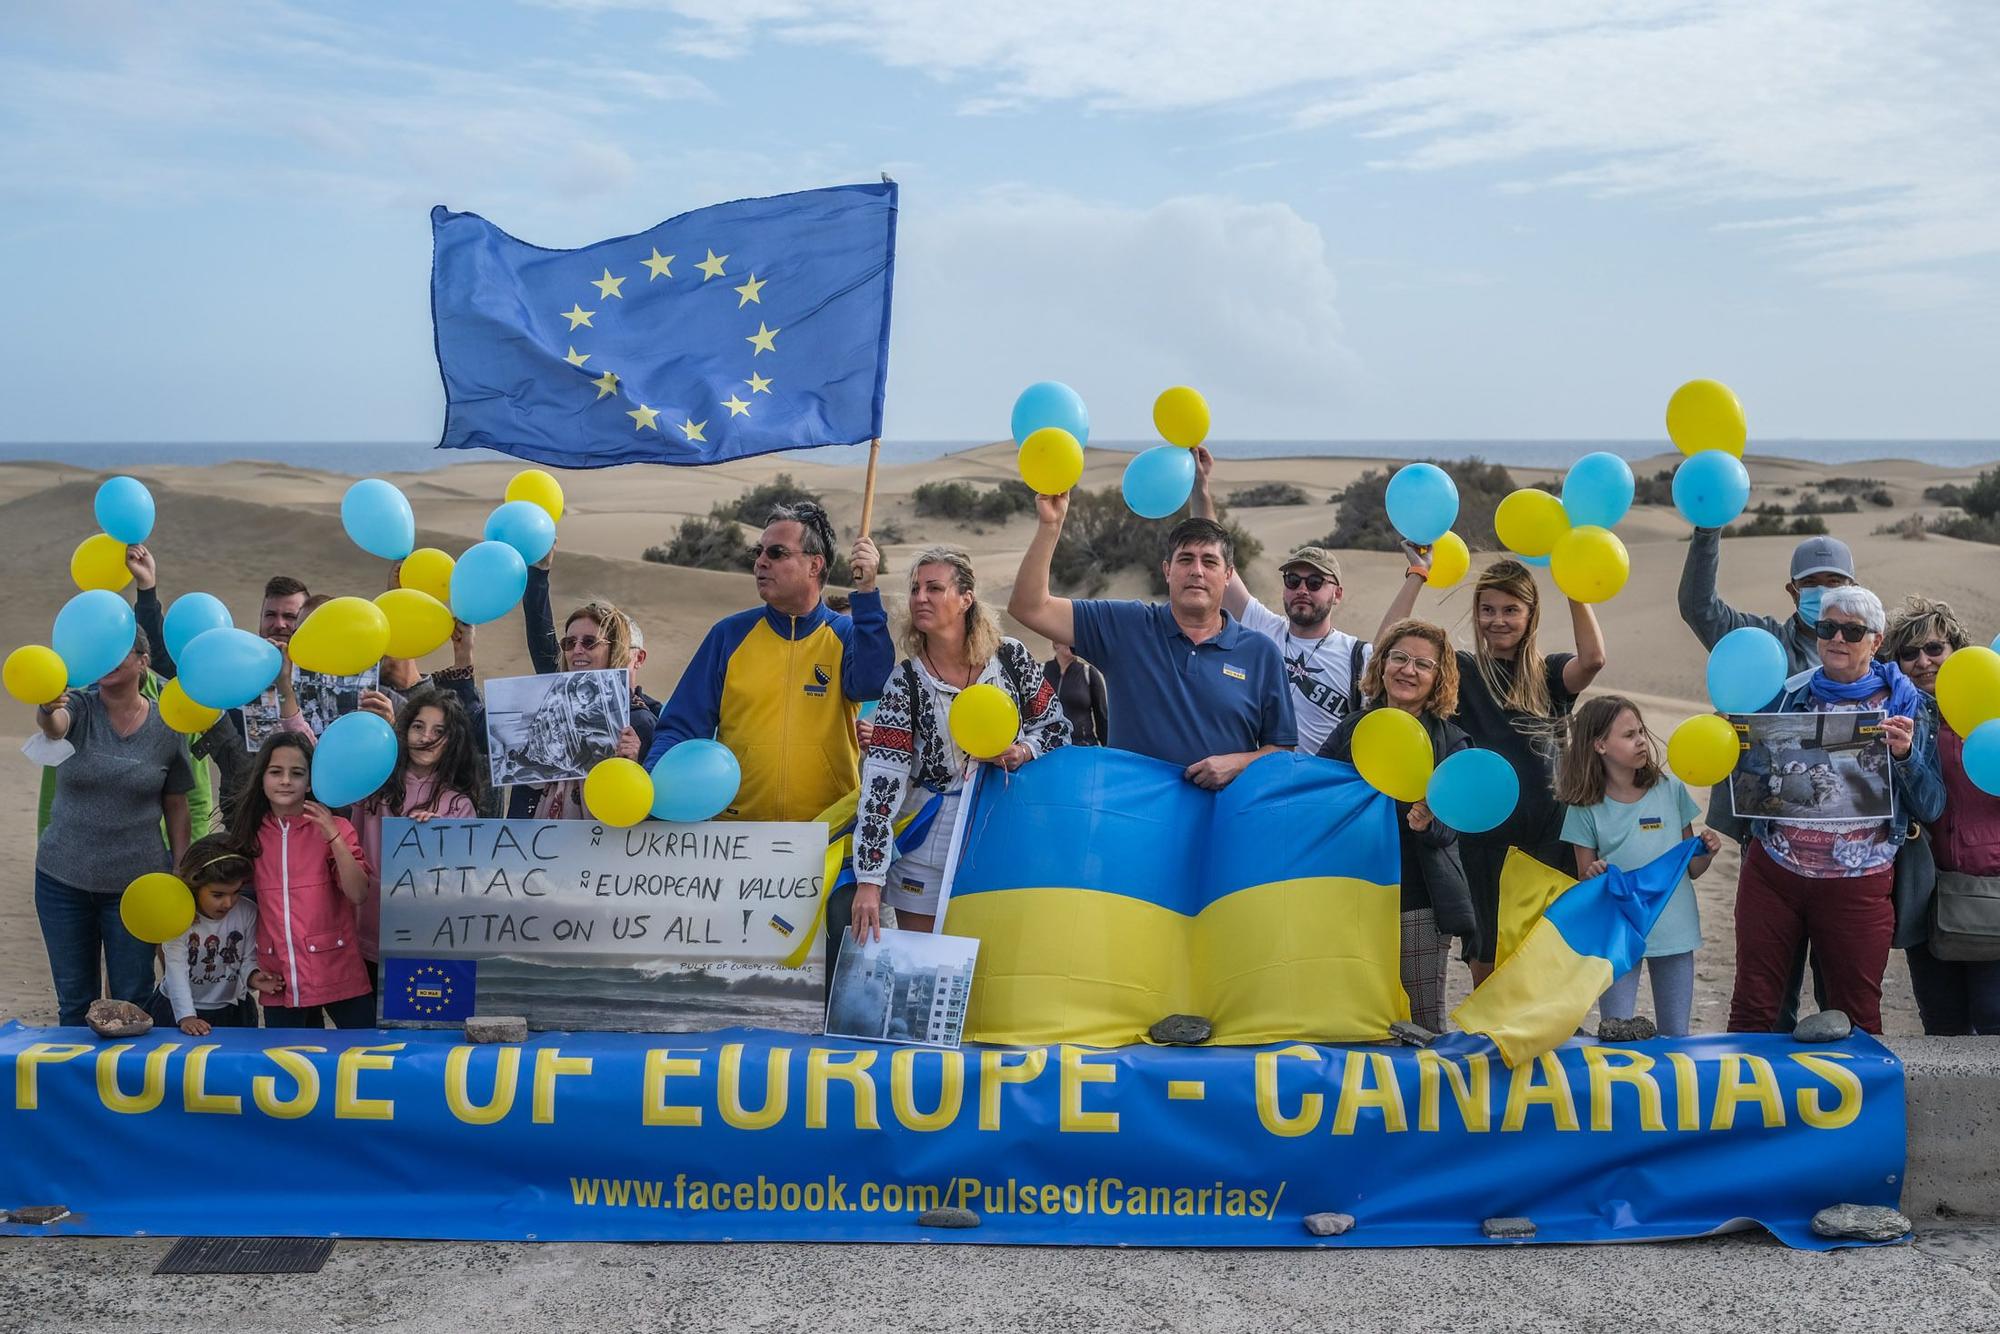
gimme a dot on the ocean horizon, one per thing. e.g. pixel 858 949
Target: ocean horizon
pixel 366 458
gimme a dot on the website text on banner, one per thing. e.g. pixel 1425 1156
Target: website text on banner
pixel 578 925
pixel 754 1136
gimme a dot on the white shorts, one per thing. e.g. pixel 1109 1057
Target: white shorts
pixel 914 878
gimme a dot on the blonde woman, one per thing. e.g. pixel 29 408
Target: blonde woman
pixel 1513 699
pixel 953 642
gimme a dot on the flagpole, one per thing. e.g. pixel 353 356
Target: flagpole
pixel 868 487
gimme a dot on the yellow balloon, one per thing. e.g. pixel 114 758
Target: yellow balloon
pixel 1530 522
pixel 1703 414
pixel 1180 415
pixel 183 714
pixel 1449 561
pixel 418 622
pixel 543 489
pixel 1051 461
pixel 342 637
pixel 99 562
pixel 157 907
pixel 1703 751
pixel 35 675
pixel 428 570
pixel 1393 754
pixel 1968 688
pixel 984 719
pixel 618 791
pixel 1590 564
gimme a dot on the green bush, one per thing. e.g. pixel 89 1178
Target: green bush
pixel 1268 494
pixel 1655 490
pixel 1814 505
pixel 1766 524
pixel 755 505
pixel 712 541
pixel 964 501
pixel 1851 486
pixel 1102 536
pixel 1967 528
pixel 1363 521
pixel 1946 493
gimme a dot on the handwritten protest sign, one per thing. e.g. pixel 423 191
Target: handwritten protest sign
pixel 660 927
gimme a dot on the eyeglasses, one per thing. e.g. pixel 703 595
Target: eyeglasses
pixel 1852 633
pixel 1929 649
pixel 569 643
pixel 1395 657
pixel 1312 583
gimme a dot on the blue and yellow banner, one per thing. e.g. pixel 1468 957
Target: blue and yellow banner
pixel 1108 892
pixel 753 1135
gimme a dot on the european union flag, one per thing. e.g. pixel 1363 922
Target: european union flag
pixel 441 989
pixel 735 330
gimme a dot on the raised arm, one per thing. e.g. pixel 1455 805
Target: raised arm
pixel 1031 603
pixel 1581 670
pixel 147 610
pixel 1236 594
pixel 1405 601
pixel 538 617
pixel 1702 608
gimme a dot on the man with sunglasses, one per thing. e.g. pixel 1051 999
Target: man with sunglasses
pixel 782 684
pixel 1323 664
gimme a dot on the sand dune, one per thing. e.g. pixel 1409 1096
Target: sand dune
pixel 225 529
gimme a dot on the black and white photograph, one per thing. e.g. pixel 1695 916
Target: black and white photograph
pixel 544 729
pixel 324 698
pixel 909 987
pixel 1811 768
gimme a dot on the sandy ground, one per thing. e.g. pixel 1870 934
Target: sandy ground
pixel 225 529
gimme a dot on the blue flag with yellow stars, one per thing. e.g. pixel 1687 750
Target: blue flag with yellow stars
pixel 735 330
pixel 440 989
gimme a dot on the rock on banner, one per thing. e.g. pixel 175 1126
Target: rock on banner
pixel 748 1135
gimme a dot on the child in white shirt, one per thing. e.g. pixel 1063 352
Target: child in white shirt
pixel 210 969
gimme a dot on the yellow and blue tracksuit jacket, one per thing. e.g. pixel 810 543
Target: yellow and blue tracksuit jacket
pixel 782 692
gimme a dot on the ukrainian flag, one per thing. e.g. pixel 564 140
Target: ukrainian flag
pixel 1591 933
pixel 1108 892
pixel 841 820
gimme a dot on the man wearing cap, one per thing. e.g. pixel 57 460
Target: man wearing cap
pixel 1323 664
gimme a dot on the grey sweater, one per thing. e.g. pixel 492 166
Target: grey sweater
pixel 1711 618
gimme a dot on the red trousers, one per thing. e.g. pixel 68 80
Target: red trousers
pixel 1849 922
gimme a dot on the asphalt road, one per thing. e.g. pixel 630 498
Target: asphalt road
pixel 1747 1284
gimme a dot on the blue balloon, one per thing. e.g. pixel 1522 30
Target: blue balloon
pixel 191 614
pixel 1473 791
pixel 524 526
pixel 1050 403
pixel 487 582
pixel 93 633
pixel 354 757
pixel 1539 562
pixel 1746 670
pixel 125 509
pixel 1159 481
pixel 226 668
pixel 1982 757
pixel 1422 502
pixel 868 709
pixel 1597 490
pixel 696 780
pixel 1711 488
pixel 378 518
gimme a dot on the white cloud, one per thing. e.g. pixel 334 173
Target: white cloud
pixel 1882 113
pixel 1016 286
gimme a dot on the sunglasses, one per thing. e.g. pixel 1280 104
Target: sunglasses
pixel 1395 657
pixel 774 553
pixel 1311 582
pixel 1852 633
pixel 1929 649
pixel 569 643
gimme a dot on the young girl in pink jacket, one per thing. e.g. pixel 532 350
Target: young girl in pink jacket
pixel 309 874
pixel 436 777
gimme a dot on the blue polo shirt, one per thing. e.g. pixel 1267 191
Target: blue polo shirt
pixel 1180 701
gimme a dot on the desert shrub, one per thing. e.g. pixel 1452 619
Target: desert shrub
pixel 1102 536
pixel 1269 493
pixel 1911 528
pixel 1967 528
pixel 755 505
pixel 1850 486
pixel 1363 522
pixel 1657 489
pixel 711 541
pixel 966 502
pixel 1946 493
pixel 1765 524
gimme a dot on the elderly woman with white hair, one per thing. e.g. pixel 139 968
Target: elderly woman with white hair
pixel 1830 884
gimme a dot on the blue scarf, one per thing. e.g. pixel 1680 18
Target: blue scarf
pixel 1903 697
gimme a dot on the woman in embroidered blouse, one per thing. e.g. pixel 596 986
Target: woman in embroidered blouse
pixel 953 641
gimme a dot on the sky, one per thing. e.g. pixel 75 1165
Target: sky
pixel 1396 220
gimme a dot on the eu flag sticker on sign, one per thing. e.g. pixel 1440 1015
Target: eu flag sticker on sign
pixel 420 989
pixel 734 330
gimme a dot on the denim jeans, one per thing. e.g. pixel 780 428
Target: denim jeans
pixel 88 943
pixel 1673 994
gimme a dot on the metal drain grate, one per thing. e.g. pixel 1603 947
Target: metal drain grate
pixel 246 1255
